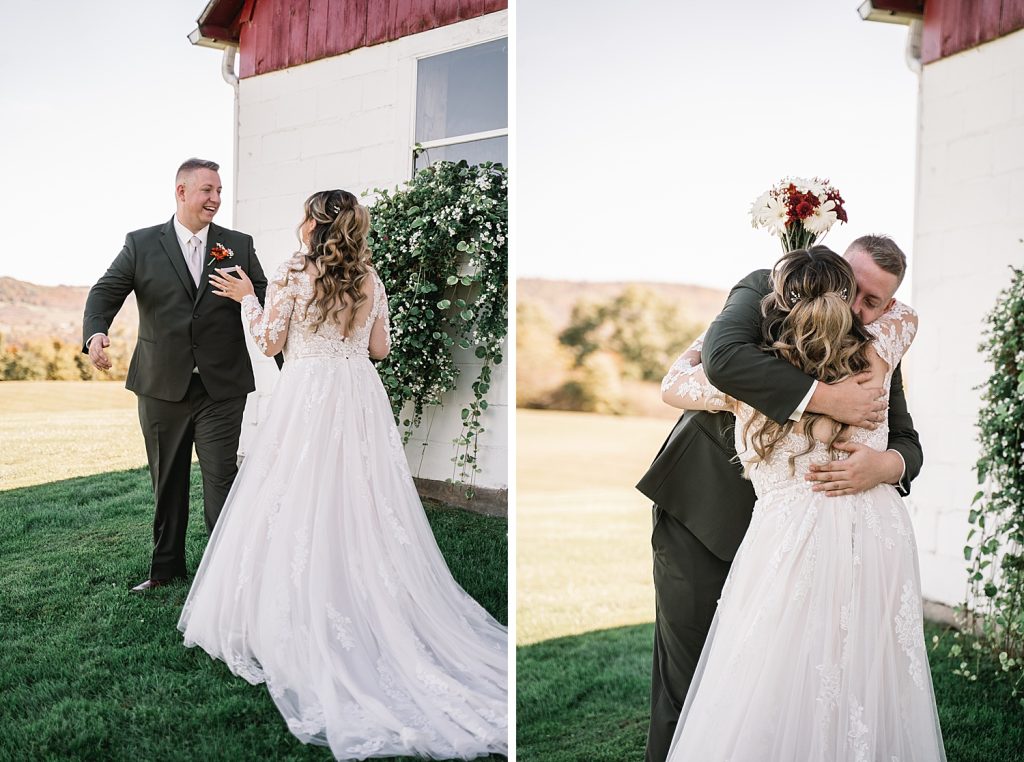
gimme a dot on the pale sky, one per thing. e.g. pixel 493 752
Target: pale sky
pixel 101 101
pixel 645 131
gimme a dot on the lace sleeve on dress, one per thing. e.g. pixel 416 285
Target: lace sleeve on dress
pixel 269 325
pixel 894 332
pixel 686 386
pixel 380 331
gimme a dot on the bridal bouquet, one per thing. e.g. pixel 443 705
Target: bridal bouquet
pixel 799 211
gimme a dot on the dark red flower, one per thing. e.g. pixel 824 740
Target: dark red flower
pixel 218 252
pixel 804 210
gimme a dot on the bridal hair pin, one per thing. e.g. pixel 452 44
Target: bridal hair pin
pixel 795 296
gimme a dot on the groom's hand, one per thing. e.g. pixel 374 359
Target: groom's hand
pixel 96 354
pixel 851 401
pixel 864 469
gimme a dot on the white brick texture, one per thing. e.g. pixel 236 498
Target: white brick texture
pixel 347 121
pixel 969 222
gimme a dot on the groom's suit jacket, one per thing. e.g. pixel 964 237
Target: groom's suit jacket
pixel 695 476
pixel 181 327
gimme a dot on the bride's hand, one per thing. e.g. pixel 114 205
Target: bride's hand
pixel 233 288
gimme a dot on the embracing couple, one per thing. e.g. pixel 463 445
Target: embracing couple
pixel 789 618
pixel 321 577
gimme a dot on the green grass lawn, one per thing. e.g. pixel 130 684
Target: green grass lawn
pixel 585 699
pixel 89 671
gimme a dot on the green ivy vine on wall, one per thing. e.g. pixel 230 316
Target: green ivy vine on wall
pixel 995 550
pixel 440 245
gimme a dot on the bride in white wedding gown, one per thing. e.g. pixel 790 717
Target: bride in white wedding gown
pixel 322 577
pixel 817 650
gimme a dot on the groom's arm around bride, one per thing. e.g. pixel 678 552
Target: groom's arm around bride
pixel 734 364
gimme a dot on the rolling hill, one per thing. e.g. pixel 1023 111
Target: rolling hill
pixel 29 311
pixel 557 297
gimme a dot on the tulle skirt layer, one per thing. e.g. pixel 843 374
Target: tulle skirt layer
pixel 817 649
pixel 323 579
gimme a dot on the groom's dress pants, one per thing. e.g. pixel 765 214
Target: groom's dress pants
pixel 170 429
pixel 688 580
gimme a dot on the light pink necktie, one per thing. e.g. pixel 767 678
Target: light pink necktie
pixel 195 264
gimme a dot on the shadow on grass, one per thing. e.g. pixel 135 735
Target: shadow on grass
pixel 585 699
pixel 90 671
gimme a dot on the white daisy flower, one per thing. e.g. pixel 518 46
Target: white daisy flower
pixel 823 218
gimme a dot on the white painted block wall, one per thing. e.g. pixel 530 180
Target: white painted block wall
pixel 968 225
pixel 348 122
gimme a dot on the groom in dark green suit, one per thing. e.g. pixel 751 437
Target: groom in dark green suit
pixel 703 504
pixel 190 369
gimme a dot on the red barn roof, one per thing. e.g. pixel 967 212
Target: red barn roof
pixel 276 34
pixel 950 26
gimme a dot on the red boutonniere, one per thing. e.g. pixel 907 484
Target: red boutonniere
pixel 219 253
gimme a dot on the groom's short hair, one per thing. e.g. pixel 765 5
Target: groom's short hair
pixel 191 165
pixel 885 253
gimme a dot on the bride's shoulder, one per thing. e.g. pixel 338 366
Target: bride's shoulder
pixel 374 280
pixel 895 330
pixel 898 315
pixel 291 271
pixel 901 311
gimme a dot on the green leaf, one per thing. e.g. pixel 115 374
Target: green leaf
pixel 968 551
pixel 444 304
pixel 481 352
pixel 462 246
pixel 977 496
pixel 452 280
pixel 466 314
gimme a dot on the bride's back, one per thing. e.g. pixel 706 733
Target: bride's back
pixel 891 336
pixel 336 333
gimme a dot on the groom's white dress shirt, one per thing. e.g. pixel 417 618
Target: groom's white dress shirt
pixel 184 236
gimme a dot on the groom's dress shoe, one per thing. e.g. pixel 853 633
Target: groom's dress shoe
pixel 149 584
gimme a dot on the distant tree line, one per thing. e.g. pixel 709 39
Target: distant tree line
pixel 55 359
pixel 607 347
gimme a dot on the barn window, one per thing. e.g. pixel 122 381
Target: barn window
pixel 462 105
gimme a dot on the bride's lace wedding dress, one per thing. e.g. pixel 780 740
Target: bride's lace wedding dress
pixel 817 650
pixel 322 577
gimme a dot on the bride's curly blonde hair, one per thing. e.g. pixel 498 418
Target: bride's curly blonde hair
pixel 809 322
pixel 339 254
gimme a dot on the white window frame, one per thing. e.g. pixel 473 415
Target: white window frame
pixel 454 139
